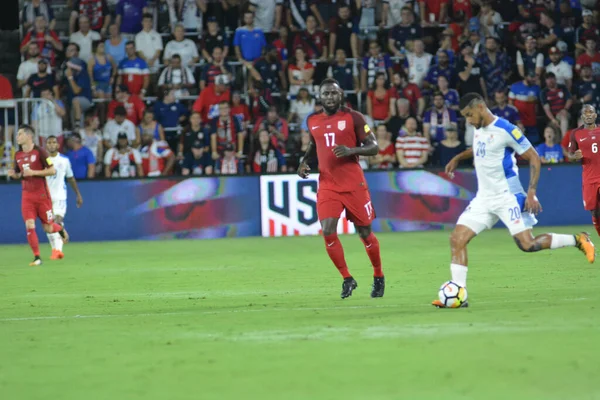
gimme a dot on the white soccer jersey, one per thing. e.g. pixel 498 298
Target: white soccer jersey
pixel 418 67
pixel 495 165
pixel 56 182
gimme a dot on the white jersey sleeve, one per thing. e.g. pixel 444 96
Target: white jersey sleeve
pixel 69 170
pixel 516 140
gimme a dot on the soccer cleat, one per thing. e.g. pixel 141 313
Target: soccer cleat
pixel 348 286
pixel 378 287
pixel 57 255
pixel 437 303
pixel 36 261
pixel 584 243
pixel 64 235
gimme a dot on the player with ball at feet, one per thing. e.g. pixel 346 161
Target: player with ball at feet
pixel 340 135
pixel 499 191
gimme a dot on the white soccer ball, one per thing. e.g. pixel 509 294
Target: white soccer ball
pixel 452 295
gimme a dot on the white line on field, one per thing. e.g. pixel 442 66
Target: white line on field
pixel 248 310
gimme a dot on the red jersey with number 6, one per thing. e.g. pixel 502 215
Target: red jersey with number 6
pixel 588 141
pixel 37 160
pixel 344 128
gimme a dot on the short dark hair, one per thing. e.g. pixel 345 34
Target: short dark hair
pixel 120 111
pixel 469 100
pixel 176 56
pixel 148 15
pixel 76 46
pixel 438 94
pixel 51 137
pixel 28 129
pixel 329 81
pixel 130 42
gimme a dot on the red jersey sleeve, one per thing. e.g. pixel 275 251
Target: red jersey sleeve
pixel 573 146
pixel 44 158
pixel 361 128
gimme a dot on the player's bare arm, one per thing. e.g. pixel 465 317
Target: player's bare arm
pixel 42 173
pixel 531 203
pixel 73 184
pixel 12 174
pixel 303 168
pixel 453 164
pixel 369 148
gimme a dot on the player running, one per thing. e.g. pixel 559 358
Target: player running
pixel 583 146
pixel 58 192
pixel 340 135
pixel 33 165
pixel 499 191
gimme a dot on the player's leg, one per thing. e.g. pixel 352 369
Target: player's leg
pixel 59 207
pixel 596 211
pixel 46 215
pixel 28 209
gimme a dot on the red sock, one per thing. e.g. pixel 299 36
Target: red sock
pixel 372 248
pixel 596 224
pixel 34 243
pixel 56 228
pixel 336 253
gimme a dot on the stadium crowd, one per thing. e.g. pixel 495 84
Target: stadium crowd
pixel 193 87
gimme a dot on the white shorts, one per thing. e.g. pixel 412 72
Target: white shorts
pixel 59 207
pixel 483 213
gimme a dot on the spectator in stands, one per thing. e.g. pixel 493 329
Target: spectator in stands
pixel 302 106
pixel 563 48
pixel 193 133
pixel 312 41
pixel 197 161
pixel 550 151
pixel 84 38
pixel 588 29
pixel 282 43
pixel 411 92
pixel 344 72
pixel 557 101
pixel 224 130
pixel 530 59
pixel 77 83
pixel 149 45
pixel 374 63
pixel 505 110
pixel 585 85
pixel 268 70
pixel 489 20
pixel 396 123
pixel 82 159
pixel 412 149
pixel 41 80
pixel 276 126
pixel 380 104
pixel 213 38
pixel 366 22
pixel 560 68
pixel 450 95
pixel 162 12
pixel 402 35
pixel 457 31
pixel 551 31
pixel 7 125
pixel 171 115
pixel 495 67
pixel 450 147
pixel 189 13
pixel 300 73
pixel 30 66
pixel 267 14
pixel 524 95
pixel 134 72
pixel 240 110
pixel 217 66
pixel 343 33
pixel 249 41
pixel 259 100
pixel 229 164
pixel 186 48
pixel 129 16
pixel 97 13
pixel 207 104
pixel 134 106
pixel 267 158
pixel 391 13
pixel 157 157
pixel 115 44
pixel 386 158
pixel 122 161
pixel 47 40
pixel 177 77
pixel 417 63
pixel 91 137
pixel 102 70
pixel 433 12
pixel 591 57
pixel 150 126
pixel 476 40
pixel 297 12
pixel 442 67
pixel 469 71
pixel 437 119
pixel 34 8
pixel 117 125
pixel 47 120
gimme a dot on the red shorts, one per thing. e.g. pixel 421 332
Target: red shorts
pixel 37 208
pixel 357 204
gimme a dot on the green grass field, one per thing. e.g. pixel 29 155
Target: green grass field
pixel 262 319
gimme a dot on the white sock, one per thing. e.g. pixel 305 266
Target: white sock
pixel 51 239
pixel 459 274
pixel 559 241
pixel 58 240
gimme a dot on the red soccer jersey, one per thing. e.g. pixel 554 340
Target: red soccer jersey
pixel 241 112
pixel 348 128
pixel 207 104
pixel 588 141
pixel 134 107
pixel 37 160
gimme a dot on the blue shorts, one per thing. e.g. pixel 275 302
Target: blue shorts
pixel 103 87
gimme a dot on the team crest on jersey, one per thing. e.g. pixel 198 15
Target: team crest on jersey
pixel 33 157
pixel 341 125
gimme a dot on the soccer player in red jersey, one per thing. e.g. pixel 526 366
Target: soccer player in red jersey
pixel 340 135
pixel 32 163
pixel 584 145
